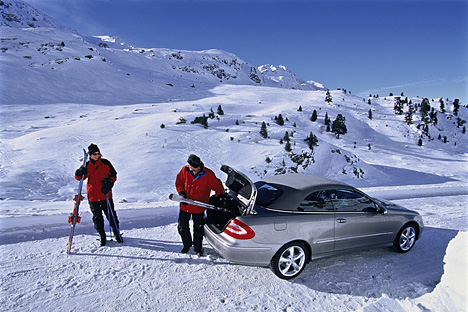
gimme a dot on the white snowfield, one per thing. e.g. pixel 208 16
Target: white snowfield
pixel 41 147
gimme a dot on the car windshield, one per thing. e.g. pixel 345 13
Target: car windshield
pixel 266 193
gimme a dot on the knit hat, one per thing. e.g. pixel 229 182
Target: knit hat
pixel 93 149
pixel 194 161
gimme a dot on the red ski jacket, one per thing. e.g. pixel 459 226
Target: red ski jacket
pixel 97 172
pixel 197 187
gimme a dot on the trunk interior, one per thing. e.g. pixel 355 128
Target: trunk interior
pixel 217 220
pixel 236 202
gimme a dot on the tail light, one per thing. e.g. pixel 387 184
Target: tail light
pixel 239 230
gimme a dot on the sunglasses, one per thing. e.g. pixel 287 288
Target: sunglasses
pixel 95 154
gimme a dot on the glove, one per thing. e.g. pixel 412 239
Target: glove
pixel 81 171
pixel 184 195
pixel 107 185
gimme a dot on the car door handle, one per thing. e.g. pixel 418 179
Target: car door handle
pixel 341 220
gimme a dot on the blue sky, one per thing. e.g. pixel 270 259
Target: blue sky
pixel 418 47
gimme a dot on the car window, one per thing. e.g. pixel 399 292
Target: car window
pixel 266 193
pixel 351 201
pixel 316 202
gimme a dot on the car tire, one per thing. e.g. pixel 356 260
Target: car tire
pixel 405 239
pixel 289 261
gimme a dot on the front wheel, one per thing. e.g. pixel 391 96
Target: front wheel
pixel 405 239
pixel 289 261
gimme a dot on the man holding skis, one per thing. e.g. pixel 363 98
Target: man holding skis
pixel 195 181
pixel 101 177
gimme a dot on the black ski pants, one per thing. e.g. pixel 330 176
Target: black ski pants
pixel 97 208
pixel 184 229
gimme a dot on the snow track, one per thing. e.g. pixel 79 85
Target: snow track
pixel 148 273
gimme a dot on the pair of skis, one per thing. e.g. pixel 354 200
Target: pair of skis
pixel 74 217
pixel 181 199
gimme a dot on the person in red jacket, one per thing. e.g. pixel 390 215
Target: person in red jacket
pixel 195 181
pixel 101 177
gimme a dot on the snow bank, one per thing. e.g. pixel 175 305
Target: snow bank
pixel 450 295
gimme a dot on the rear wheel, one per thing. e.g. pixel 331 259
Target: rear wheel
pixel 405 239
pixel 289 261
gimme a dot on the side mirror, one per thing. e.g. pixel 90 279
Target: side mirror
pixel 382 210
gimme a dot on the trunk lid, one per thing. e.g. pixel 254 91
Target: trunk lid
pixel 240 188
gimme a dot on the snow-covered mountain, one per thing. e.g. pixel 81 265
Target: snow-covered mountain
pixel 21 15
pixel 281 77
pixel 33 45
pixel 49 65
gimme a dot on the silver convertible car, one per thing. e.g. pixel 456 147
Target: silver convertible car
pixel 285 221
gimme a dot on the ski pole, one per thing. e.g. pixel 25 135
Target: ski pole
pixel 109 211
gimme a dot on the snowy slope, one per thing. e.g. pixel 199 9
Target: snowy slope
pixel 148 133
pixel 41 148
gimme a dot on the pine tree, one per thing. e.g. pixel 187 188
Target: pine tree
pixel 201 120
pixel 314 116
pixel 211 114
pixel 425 108
pixel 339 126
pixel 299 109
pixel 456 106
pixel 433 116
pixel 311 141
pixel 328 97
pixel 442 105
pixel 220 110
pixel 288 147
pixel 286 136
pixel 327 120
pixel 263 131
pixel 370 114
pixel 409 117
pixel 398 106
pixel 279 120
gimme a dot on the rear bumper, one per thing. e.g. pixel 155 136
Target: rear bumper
pixel 239 251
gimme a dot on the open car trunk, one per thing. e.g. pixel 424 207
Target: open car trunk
pixel 239 200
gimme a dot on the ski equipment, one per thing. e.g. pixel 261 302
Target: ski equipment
pixel 110 214
pixel 181 199
pixel 74 217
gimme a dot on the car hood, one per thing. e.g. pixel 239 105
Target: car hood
pixel 241 188
pixel 392 207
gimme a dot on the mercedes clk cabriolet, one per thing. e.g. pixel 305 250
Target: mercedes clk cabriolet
pixel 287 220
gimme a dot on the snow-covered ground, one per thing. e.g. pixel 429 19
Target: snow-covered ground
pixel 41 146
pixel 147 272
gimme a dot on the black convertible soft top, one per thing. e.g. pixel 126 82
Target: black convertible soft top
pixel 296 186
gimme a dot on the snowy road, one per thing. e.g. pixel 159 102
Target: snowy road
pixel 148 273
